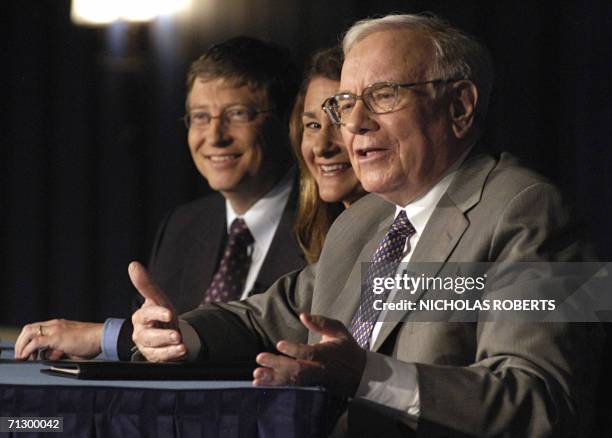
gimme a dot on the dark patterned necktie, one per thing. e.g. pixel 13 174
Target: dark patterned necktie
pixel 228 282
pixel 384 263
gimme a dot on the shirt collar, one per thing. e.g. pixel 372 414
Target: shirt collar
pixel 420 210
pixel 265 214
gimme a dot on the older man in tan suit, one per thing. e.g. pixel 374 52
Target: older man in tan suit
pixel 412 100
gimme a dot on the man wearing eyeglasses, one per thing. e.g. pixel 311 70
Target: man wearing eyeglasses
pixel 412 102
pixel 237 241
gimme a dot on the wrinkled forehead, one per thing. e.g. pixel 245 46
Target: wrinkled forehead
pixel 389 55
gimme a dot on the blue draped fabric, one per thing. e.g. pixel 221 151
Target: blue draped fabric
pixel 148 413
pixel 162 408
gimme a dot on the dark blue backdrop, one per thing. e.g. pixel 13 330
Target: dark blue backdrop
pixel 92 153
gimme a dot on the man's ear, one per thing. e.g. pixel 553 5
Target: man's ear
pixel 464 97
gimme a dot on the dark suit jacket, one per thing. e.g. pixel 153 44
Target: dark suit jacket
pixel 189 243
pixel 187 250
pixel 478 379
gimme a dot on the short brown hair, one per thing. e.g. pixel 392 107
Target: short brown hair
pixel 250 61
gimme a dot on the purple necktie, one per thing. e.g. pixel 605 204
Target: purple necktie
pixel 384 263
pixel 228 282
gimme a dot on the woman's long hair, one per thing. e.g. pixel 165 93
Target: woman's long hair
pixel 314 216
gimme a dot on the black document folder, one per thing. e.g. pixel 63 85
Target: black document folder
pixel 116 370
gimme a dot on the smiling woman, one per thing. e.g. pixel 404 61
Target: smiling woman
pixel 328 183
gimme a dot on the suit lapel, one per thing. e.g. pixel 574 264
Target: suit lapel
pixel 445 227
pixel 338 266
pixel 347 302
pixel 284 254
pixel 443 231
pixel 203 254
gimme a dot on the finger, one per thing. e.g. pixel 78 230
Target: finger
pixel 263 376
pixel 28 332
pixel 324 326
pixel 282 370
pixel 156 338
pixel 147 316
pixel 146 286
pixel 30 350
pixel 30 342
pixel 22 340
pixel 272 360
pixel 296 350
pixel 164 354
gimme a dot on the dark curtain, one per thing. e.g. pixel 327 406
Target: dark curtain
pixel 93 155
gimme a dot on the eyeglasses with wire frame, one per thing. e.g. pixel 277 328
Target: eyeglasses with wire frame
pixel 233 116
pixel 378 98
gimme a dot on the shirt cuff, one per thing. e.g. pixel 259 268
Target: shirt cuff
pixel 110 337
pixel 391 383
pixel 191 340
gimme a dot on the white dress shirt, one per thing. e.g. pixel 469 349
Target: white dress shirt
pixel 401 391
pixel 262 219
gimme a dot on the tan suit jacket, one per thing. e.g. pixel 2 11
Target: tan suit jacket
pixel 475 379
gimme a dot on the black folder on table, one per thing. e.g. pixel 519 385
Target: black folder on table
pixel 117 370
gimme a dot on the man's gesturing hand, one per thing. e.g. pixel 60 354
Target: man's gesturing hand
pixel 156 331
pixel 337 362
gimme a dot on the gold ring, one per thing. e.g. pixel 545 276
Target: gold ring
pixel 40 330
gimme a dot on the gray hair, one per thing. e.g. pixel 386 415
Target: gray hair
pixel 457 54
